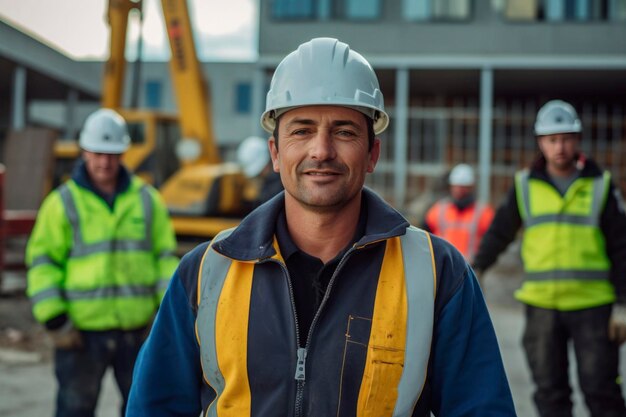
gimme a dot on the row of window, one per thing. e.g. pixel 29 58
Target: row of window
pixel 562 10
pixel 433 10
pixel 153 95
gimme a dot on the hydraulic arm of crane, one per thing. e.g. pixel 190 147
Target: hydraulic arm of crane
pixel 203 192
pixel 189 84
pixel 115 67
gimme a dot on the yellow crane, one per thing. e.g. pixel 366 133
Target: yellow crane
pixel 177 153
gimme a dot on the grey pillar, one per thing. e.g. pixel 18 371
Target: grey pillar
pixel 18 99
pixel 258 101
pixel 486 121
pixel 70 114
pixel 401 136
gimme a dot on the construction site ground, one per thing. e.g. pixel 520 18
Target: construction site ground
pixel 27 385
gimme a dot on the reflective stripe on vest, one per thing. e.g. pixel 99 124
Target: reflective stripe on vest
pixel 80 248
pixel 416 271
pixel 591 219
pixel 470 227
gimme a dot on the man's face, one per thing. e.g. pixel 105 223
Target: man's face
pixel 559 149
pixel 102 167
pixel 459 192
pixel 323 156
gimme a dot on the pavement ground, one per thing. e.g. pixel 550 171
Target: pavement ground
pixel 27 385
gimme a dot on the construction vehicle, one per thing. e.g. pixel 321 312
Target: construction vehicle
pixel 176 153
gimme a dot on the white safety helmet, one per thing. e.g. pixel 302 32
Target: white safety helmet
pixel 104 131
pixel 462 174
pixel 555 117
pixel 325 71
pixel 253 155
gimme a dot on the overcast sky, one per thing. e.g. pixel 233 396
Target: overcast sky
pixel 224 29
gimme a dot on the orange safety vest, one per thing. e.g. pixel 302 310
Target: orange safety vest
pixel 463 228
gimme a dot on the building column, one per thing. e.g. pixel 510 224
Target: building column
pixel 401 136
pixel 485 133
pixel 258 100
pixel 70 114
pixel 18 99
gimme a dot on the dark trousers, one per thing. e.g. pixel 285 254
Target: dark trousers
pixel 79 372
pixel 545 342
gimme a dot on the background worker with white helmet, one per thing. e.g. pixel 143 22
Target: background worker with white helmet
pixel 100 257
pixel 323 301
pixel 459 218
pixel 574 256
pixel 253 155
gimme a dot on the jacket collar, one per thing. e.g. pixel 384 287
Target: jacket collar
pixel 587 167
pixel 254 236
pixel 81 178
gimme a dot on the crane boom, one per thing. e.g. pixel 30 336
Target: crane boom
pixel 203 194
pixel 189 84
pixel 115 67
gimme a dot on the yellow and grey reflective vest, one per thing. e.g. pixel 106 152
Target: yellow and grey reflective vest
pixel 392 361
pixel 105 268
pixel 563 249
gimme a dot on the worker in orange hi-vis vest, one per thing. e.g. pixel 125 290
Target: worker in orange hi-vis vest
pixel 459 218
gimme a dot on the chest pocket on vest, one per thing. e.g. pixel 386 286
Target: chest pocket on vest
pixel 382 371
pixel 133 228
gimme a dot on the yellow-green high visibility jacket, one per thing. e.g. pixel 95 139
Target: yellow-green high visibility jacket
pixel 104 267
pixel 563 249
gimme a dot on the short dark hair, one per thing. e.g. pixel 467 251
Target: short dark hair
pixel 371 136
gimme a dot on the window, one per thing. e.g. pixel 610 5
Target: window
pixel 617 10
pixel 293 9
pixel 416 9
pixel 360 9
pixel 558 10
pixel 153 94
pixel 554 11
pixel 521 9
pixel 243 94
pixel 326 9
pixel 423 10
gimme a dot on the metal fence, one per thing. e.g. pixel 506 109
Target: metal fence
pixel 441 136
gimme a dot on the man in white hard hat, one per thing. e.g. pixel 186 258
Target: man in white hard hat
pixel 574 255
pixel 323 301
pixel 100 257
pixel 253 155
pixel 459 218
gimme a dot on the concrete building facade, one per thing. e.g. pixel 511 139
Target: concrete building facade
pixel 463 79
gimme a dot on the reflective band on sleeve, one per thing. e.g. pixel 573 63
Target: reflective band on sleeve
pixel 43 260
pixel 46 294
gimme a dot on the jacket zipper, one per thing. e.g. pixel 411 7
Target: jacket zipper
pixel 301 352
pixel 300 374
